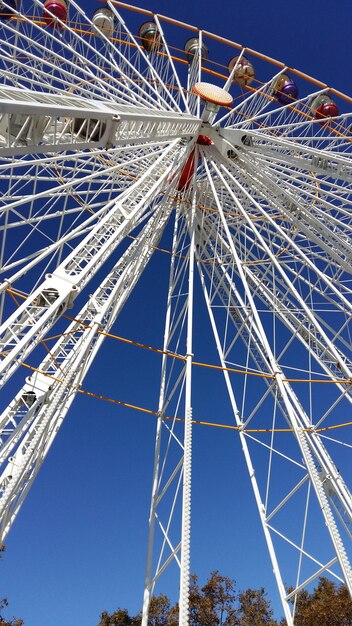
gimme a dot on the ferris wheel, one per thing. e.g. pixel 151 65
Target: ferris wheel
pixel 119 127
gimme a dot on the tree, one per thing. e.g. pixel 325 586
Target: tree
pixel 218 604
pixel 213 604
pixel 327 605
pixel 4 622
pixel 254 609
pixel 159 610
pixel 4 603
pixel 118 618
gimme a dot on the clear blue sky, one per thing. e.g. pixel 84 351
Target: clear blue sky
pixel 79 544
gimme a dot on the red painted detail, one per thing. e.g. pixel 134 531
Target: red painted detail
pixel 187 173
pixel 203 140
pixel 57 8
pixel 329 109
pixel 188 168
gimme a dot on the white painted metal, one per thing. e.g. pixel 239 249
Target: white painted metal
pixel 97 139
pixel 38 122
pixel 311 445
pixel 38 313
pixel 172 466
pixel 49 392
pixel 187 459
pixel 148 587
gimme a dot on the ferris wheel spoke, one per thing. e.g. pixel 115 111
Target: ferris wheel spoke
pixel 28 324
pixel 307 324
pixel 77 58
pixel 301 157
pixel 269 514
pixel 263 283
pixel 302 221
pixel 171 64
pixel 292 314
pixel 160 74
pixel 224 288
pixel 273 223
pixel 291 405
pixel 196 53
pixel 323 194
pixel 21 74
pixel 289 243
pixel 260 113
pixel 32 260
pixel 113 166
pixel 298 123
pixel 297 325
pixel 48 393
pixel 151 86
pixel 55 215
pixel 262 280
pixel 249 109
pixel 296 206
pixel 306 130
pixel 238 316
pixel 262 277
pixel 35 55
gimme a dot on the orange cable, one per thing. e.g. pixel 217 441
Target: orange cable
pixel 135 407
pixel 195 363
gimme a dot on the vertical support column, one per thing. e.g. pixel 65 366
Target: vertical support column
pixel 187 460
pixel 148 587
pixel 248 460
pixel 199 77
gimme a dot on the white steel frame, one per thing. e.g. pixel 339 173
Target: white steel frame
pixel 96 137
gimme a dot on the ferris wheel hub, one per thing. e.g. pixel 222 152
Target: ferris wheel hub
pixel 213 94
pixel 214 97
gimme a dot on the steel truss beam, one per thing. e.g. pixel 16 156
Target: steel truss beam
pixel 35 122
pixel 300 156
pixel 29 323
pixel 331 353
pixel 230 297
pixel 171 493
pixel 215 237
pixel 99 123
pixel 30 423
